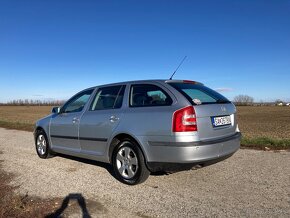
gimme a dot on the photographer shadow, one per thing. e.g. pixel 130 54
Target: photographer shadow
pixel 65 203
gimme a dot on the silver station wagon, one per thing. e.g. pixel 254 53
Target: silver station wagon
pixel 142 126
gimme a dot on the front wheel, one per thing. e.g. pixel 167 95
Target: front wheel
pixel 129 163
pixel 42 145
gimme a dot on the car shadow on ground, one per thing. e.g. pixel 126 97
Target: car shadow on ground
pixel 173 170
pixel 107 166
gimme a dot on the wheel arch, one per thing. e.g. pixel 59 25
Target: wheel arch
pixel 120 136
pixel 45 130
pixel 39 128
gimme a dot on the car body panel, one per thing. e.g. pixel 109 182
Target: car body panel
pixel 204 122
pixel 64 131
pixel 96 128
pixel 151 127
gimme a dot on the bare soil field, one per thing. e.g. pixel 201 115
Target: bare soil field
pixel 267 121
pixel 260 126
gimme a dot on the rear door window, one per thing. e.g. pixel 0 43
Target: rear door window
pixel 144 95
pixel 199 94
pixel 108 98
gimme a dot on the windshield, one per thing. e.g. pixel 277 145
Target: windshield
pixel 199 94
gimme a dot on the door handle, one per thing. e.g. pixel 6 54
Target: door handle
pixel 114 118
pixel 75 120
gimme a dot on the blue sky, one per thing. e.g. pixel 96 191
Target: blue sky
pixel 52 49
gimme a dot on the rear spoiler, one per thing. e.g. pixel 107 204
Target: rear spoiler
pixel 184 81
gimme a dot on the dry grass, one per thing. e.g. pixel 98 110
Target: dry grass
pixel 22 117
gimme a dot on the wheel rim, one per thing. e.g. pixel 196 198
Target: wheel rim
pixel 41 144
pixel 127 162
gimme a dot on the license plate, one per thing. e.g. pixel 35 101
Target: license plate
pixel 221 121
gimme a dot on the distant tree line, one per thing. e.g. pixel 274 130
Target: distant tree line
pixel 243 100
pixel 246 100
pixel 31 102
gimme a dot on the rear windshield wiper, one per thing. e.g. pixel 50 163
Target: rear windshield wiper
pixel 222 101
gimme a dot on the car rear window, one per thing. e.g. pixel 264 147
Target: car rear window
pixel 199 94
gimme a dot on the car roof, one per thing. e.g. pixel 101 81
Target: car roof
pixel 146 81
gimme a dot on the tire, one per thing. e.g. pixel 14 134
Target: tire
pixel 42 145
pixel 129 163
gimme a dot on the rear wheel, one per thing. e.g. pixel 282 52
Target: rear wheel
pixel 129 163
pixel 42 145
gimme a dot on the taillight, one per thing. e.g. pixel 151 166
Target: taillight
pixel 184 120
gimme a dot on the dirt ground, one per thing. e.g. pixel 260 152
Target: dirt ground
pixel 249 184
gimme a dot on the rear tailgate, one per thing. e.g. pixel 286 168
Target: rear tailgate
pixel 215 120
pixel 215 114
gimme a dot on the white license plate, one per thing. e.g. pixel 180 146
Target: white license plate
pixel 221 121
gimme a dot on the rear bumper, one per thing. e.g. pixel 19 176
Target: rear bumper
pixel 168 155
pixel 173 167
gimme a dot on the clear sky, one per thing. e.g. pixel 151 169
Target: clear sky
pixel 52 49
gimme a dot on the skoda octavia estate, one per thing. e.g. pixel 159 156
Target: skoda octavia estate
pixel 142 126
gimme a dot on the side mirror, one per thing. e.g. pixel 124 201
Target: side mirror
pixel 55 110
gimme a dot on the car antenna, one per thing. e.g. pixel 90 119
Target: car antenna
pixel 177 67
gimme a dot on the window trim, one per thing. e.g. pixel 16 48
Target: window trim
pixel 146 84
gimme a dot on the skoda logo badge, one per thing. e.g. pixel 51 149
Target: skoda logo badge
pixel 223 109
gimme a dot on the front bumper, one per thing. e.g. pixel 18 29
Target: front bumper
pixel 165 155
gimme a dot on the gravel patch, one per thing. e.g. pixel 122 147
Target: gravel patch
pixel 250 183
